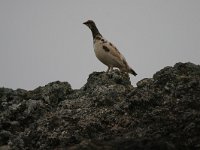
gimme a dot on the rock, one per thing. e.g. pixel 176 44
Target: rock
pixel 4 136
pixel 51 93
pixel 4 147
pixel 106 113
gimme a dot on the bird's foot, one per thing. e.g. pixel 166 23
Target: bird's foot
pixel 107 71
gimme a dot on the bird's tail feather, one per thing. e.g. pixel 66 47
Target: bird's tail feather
pixel 132 72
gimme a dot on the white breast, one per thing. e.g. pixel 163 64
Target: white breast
pixel 104 56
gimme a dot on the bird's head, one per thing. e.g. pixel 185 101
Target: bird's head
pixel 90 24
pixel 93 28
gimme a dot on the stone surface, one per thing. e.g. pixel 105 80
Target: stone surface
pixel 162 112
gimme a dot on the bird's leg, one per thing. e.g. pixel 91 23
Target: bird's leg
pixel 108 70
pixel 111 69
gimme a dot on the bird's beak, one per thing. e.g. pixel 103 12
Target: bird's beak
pixel 85 23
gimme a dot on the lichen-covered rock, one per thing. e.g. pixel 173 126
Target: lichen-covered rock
pixel 106 113
pixel 51 93
pixel 20 109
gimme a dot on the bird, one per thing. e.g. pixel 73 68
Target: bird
pixel 106 52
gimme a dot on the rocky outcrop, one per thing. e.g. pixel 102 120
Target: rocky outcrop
pixel 162 112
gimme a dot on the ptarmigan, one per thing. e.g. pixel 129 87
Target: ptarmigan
pixel 106 52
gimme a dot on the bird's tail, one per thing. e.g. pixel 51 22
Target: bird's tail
pixel 132 72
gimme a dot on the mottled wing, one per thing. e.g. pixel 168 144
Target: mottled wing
pixel 115 54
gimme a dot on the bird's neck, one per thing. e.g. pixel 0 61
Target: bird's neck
pixel 95 32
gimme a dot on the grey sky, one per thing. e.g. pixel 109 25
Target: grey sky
pixel 44 40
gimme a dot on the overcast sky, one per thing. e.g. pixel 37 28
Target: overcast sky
pixel 44 40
